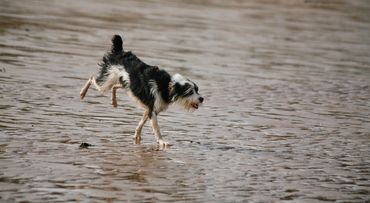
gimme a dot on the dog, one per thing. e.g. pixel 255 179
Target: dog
pixel 152 88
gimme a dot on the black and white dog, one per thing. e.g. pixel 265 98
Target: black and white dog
pixel 154 89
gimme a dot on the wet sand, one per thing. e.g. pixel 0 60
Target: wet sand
pixel 286 115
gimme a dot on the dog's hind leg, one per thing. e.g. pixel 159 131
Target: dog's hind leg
pixel 157 132
pixel 86 87
pixel 140 126
pixel 114 97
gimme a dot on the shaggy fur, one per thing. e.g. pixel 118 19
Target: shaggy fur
pixel 154 89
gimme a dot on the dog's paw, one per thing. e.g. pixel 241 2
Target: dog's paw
pixel 137 139
pixel 85 88
pixel 163 143
pixel 114 103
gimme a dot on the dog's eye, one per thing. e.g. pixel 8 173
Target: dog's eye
pixel 196 88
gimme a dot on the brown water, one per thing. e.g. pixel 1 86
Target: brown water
pixel 286 116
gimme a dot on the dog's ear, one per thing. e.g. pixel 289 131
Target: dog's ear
pixel 172 90
pixel 116 44
pixel 170 86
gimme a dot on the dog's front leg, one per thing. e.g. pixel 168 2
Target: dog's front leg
pixel 157 132
pixel 139 127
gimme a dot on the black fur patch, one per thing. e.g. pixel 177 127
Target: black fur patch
pixel 182 90
pixel 139 72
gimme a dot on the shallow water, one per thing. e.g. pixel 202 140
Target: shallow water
pixel 286 114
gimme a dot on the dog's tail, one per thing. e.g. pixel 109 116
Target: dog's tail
pixel 116 44
pixel 109 74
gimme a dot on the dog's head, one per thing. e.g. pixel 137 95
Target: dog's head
pixel 185 92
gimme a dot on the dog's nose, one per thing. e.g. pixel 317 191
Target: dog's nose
pixel 201 99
